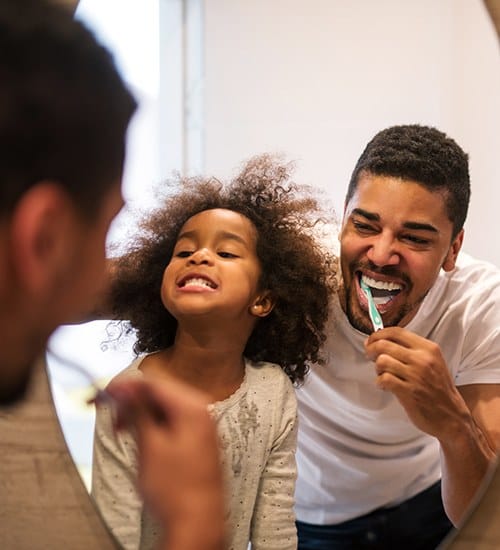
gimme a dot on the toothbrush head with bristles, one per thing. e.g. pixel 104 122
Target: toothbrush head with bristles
pixel 375 317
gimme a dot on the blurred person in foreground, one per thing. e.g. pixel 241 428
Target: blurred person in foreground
pixel 64 113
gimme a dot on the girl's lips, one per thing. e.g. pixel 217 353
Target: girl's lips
pixel 197 281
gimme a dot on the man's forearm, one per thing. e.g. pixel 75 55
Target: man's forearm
pixel 466 457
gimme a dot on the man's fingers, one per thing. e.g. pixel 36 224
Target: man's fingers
pixel 397 335
pixel 387 347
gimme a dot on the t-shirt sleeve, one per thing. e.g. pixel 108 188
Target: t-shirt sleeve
pixel 480 361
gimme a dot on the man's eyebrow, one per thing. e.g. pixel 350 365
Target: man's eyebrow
pixel 418 226
pixel 415 226
pixel 368 215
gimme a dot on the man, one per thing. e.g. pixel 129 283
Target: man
pixel 64 112
pixel 398 430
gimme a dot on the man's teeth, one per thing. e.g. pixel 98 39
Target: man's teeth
pixel 199 282
pixel 380 285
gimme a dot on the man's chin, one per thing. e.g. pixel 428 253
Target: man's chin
pixel 358 322
pixel 401 319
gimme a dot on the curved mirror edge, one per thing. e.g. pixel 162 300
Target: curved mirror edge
pixel 481 528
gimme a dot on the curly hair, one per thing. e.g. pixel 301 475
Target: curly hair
pixel 422 154
pixel 295 268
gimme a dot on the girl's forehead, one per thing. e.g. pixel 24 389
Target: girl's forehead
pixel 217 220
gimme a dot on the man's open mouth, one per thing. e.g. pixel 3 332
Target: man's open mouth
pixel 382 291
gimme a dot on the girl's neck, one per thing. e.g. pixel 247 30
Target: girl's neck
pixel 218 371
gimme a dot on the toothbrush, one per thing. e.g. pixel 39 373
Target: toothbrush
pixel 372 308
pixel 101 395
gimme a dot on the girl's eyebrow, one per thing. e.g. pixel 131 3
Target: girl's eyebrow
pixel 220 235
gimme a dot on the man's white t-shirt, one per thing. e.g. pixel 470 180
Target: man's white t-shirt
pixel 357 449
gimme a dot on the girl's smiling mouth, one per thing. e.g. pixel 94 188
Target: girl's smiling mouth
pixel 197 281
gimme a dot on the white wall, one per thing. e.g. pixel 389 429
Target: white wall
pixel 317 79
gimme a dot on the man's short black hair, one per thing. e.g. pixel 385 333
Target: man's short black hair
pixel 424 155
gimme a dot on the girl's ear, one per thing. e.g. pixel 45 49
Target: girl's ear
pixel 263 305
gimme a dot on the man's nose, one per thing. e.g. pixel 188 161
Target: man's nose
pixel 384 251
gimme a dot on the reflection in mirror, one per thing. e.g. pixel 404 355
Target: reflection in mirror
pixel 314 81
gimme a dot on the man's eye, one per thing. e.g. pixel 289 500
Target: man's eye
pixel 223 254
pixel 416 240
pixel 363 227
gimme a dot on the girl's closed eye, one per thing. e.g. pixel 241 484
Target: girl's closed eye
pixel 225 254
pixel 183 253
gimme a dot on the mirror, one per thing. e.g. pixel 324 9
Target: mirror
pixel 222 80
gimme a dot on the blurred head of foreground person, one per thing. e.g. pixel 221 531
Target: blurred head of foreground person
pixel 64 112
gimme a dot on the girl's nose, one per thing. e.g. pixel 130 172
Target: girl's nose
pixel 200 256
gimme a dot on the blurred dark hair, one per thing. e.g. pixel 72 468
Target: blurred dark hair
pixel 64 109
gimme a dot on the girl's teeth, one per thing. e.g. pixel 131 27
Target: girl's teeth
pixel 198 282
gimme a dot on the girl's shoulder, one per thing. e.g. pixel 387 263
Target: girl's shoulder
pixel 132 370
pixel 265 374
pixel 265 387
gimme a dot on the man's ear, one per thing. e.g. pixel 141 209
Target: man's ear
pixel 263 304
pixel 452 254
pixel 41 235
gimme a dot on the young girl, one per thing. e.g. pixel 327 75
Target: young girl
pixel 221 285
